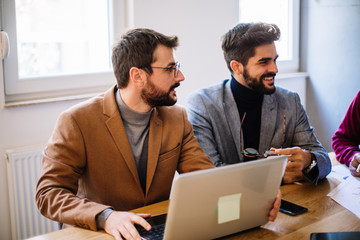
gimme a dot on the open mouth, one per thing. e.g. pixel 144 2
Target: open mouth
pixel 269 78
pixel 172 89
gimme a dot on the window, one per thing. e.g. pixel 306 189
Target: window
pixel 285 14
pixel 59 47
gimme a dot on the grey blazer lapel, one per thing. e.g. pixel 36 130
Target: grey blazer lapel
pixel 232 116
pixel 268 122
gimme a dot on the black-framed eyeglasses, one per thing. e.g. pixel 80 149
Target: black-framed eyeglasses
pixel 169 69
pixel 252 152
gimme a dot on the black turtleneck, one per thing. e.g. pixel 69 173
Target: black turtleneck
pixel 250 102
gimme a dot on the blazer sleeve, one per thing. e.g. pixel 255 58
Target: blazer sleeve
pixel 63 164
pixel 305 138
pixel 346 138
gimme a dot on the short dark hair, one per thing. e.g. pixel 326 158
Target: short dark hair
pixel 136 49
pixel 239 43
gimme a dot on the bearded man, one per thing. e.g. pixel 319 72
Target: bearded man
pixel 246 117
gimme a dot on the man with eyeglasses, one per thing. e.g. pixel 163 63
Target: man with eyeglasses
pixel 247 117
pixel 120 150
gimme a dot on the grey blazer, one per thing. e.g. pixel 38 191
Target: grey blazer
pixel 215 118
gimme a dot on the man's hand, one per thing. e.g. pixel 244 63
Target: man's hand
pixel 121 225
pixel 298 160
pixel 355 161
pixel 276 207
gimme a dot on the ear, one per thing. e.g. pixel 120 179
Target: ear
pixel 237 67
pixel 137 76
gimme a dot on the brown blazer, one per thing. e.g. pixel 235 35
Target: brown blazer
pixel 88 164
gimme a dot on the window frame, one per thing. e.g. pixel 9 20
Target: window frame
pixel 30 89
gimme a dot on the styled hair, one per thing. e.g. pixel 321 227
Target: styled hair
pixel 136 49
pixel 239 43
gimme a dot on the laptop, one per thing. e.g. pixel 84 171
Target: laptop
pixel 213 203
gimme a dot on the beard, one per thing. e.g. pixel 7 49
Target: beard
pixel 258 84
pixel 156 97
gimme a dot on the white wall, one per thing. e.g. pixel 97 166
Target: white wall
pixel 330 54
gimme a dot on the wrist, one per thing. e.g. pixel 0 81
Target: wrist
pixel 356 156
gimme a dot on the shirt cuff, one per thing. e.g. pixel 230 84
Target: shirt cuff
pixel 312 173
pixel 101 218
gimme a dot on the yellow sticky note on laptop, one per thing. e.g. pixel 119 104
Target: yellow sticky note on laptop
pixel 229 208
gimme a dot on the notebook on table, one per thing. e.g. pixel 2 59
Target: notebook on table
pixel 217 202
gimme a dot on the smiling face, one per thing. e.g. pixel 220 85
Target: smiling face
pixel 259 73
pixel 159 89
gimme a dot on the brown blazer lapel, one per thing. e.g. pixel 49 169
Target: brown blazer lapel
pixel 117 130
pixel 155 133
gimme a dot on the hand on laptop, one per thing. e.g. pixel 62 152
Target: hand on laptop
pixel 298 159
pixel 121 225
pixel 276 207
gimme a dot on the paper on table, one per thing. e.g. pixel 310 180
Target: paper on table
pixel 340 172
pixel 347 193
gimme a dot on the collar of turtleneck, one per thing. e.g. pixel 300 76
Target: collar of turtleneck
pixel 245 95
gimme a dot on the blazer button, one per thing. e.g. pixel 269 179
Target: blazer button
pixel 157 123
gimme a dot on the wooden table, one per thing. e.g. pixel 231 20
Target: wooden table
pixel 324 215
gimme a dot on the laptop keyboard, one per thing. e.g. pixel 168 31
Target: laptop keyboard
pixel 156 232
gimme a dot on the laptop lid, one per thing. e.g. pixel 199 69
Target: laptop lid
pixel 217 202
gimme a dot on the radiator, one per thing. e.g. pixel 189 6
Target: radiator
pixel 24 168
